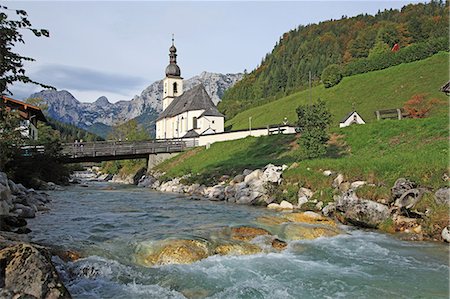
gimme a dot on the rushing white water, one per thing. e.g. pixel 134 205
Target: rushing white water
pixel 108 226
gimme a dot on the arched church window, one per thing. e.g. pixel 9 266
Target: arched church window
pixel 175 87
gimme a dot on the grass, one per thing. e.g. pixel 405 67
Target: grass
pixel 382 152
pixel 378 152
pixel 231 157
pixel 385 89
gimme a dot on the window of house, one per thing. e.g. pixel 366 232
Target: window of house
pixel 194 122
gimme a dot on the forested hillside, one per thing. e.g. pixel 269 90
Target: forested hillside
pixel 70 133
pixel 343 42
pixel 384 89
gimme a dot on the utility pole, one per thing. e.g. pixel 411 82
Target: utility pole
pixel 310 92
pixel 250 125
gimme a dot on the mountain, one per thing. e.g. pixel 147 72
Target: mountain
pixel 99 116
pixel 311 48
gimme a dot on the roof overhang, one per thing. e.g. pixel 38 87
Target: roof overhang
pixel 24 107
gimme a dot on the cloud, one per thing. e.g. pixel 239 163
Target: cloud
pixel 84 79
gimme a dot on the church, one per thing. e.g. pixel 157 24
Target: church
pixel 187 114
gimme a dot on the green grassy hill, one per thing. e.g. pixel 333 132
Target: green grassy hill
pixel 385 89
pixel 379 152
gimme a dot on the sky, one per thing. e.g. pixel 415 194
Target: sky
pixel 117 48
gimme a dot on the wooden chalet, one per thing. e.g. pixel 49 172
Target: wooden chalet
pixel 30 115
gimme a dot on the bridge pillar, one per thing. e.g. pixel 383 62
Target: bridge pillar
pixel 155 159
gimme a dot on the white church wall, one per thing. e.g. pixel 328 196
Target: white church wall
pixel 210 139
pixel 216 123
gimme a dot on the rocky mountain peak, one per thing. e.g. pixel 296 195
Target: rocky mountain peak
pixel 102 101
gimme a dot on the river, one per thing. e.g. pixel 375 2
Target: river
pixel 109 226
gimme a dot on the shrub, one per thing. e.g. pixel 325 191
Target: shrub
pixel 331 75
pixel 418 106
pixel 313 121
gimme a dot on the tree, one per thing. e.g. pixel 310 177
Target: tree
pixel 129 130
pixel 10 137
pixel 331 75
pixel 11 63
pixel 313 122
pixel 418 106
pixel 379 49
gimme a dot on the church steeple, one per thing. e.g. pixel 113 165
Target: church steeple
pixel 173 83
pixel 173 69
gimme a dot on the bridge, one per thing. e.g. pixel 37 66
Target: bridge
pixel 113 150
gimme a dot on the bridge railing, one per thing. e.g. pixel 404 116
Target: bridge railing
pixel 116 148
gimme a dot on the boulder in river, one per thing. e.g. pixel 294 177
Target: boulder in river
pixel 247 233
pixel 278 244
pixel 299 231
pixel 178 251
pixel 309 217
pixel 28 271
pixel 237 249
pixel 270 220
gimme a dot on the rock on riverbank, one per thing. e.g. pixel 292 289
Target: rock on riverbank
pixel 26 270
pixel 250 187
pixel 396 212
pixel 18 203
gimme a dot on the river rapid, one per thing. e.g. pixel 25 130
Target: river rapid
pixel 109 226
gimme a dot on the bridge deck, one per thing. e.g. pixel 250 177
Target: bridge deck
pixel 118 150
pixel 111 150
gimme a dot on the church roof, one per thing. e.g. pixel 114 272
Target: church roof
pixel 194 99
pixel 211 112
pixel 191 134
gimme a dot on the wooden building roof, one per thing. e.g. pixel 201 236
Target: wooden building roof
pixel 23 107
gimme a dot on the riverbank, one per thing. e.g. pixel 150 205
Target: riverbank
pixel 27 268
pixel 363 165
pixel 409 210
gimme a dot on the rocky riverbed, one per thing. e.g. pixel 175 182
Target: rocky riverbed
pixel 27 270
pixel 397 212
pixel 141 243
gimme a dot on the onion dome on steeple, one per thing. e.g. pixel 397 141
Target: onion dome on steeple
pixel 173 69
